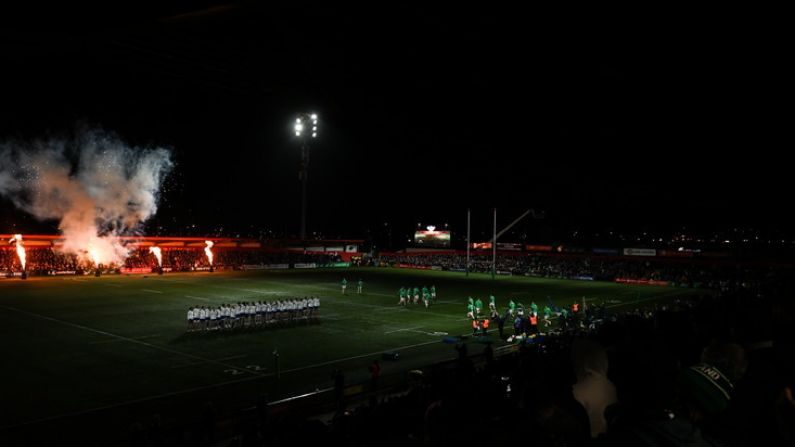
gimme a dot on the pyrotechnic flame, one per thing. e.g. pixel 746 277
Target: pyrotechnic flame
pixel 208 251
pixel 20 250
pixel 158 255
pixel 94 253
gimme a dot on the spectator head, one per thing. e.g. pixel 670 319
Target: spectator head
pixel 729 358
pixel 704 390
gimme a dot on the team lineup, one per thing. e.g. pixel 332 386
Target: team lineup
pixel 257 314
pixel 525 321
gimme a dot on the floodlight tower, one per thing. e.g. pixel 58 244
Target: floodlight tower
pixel 305 135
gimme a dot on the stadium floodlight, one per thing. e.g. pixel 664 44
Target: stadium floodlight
pixel 303 174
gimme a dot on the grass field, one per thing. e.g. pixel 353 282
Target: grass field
pixel 77 350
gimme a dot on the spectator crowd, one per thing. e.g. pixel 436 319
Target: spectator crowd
pixel 44 261
pixel 698 274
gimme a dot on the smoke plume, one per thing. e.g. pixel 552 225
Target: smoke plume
pixel 94 184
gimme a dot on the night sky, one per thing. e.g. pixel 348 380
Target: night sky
pixel 424 111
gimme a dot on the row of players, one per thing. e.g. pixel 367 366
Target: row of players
pixel 475 308
pixel 529 324
pixel 260 313
pixel 428 295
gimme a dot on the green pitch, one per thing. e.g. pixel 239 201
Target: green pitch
pixel 114 348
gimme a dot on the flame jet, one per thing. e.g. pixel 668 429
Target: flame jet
pixel 17 239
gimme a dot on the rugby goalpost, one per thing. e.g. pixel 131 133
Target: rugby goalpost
pixel 536 215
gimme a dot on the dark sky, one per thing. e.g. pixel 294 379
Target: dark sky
pixel 425 111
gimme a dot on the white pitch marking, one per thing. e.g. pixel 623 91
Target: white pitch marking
pixel 194 389
pixel 216 360
pixel 151 291
pixel 651 298
pixel 144 337
pixel 263 292
pixel 131 340
pixel 402 330
pixel 131 402
pixel 197 298
pixel 330 362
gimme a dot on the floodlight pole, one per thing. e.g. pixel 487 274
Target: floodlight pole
pixel 303 131
pixel 303 175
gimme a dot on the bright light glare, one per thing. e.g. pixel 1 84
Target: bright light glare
pixel 299 125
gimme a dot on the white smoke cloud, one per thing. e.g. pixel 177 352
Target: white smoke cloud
pixel 97 186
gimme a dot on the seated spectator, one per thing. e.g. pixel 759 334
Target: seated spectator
pixel 593 389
